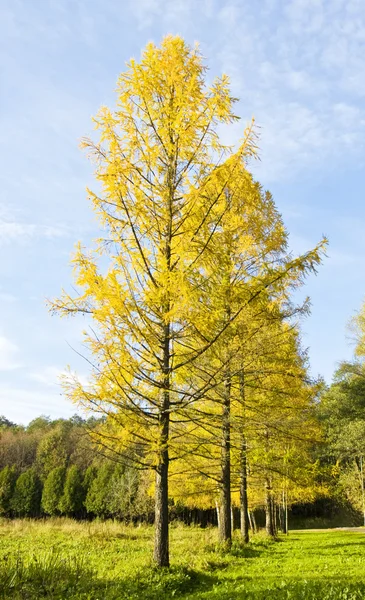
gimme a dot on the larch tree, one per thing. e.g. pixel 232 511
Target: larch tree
pixel 248 274
pixel 157 154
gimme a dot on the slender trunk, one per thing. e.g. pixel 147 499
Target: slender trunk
pixel 218 515
pixel 243 492
pixel 243 469
pixel 270 530
pixel 253 519
pixel 280 515
pixel 362 487
pixel 285 514
pixel 275 514
pixel 161 551
pixel 225 532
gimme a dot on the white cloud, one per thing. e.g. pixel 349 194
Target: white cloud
pixel 50 376
pixel 147 12
pixel 13 231
pixel 8 354
pixel 299 67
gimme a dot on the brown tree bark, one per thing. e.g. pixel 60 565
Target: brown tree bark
pixel 284 513
pixel 253 519
pixel 161 549
pixel 269 513
pixel 243 468
pixel 225 532
pixel 243 493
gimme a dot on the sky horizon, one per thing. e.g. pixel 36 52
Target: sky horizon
pixel 297 66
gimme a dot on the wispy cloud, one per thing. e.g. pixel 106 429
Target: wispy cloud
pixel 48 376
pixel 13 231
pixel 298 66
pixel 51 376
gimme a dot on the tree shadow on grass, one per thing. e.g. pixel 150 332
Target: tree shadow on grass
pixel 354 546
pixel 338 589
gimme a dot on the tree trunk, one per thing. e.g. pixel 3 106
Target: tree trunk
pixel 286 518
pixel 285 514
pixel 362 487
pixel 249 520
pixel 161 550
pixel 253 519
pixel 273 512
pixel 218 515
pixel 243 493
pixel 270 527
pixel 243 468
pixel 225 532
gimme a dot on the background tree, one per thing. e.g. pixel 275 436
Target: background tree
pixel 8 477
pixel 98 499
pixel 54 449
pixel 53 491
pixel 342 410
pixel 26 501
pixel 72 500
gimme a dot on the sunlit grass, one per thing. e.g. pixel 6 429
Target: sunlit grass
pixel 61 558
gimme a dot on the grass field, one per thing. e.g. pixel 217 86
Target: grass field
pixel 109 561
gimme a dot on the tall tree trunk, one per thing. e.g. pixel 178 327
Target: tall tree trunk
pixel 243 492
pixel 225 532
pixel 284 514
pixel 161 550
pixel 362 486
pixel 243 470
pixel 218 515
pixel 270 526
pixel 253 519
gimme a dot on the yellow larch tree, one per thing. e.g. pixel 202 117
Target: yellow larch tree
pixel 156 156
pixel 247 275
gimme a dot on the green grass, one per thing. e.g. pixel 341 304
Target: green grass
pixel 110 561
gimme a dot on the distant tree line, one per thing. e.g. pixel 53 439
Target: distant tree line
pixel 51 468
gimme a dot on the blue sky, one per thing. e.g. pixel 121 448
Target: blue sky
pixel 298 66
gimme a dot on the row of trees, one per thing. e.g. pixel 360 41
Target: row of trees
pixel 342 415
pixel 76 481
pixel 51 468
pixel 193 343
pixel 197 371
pixel 104 491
